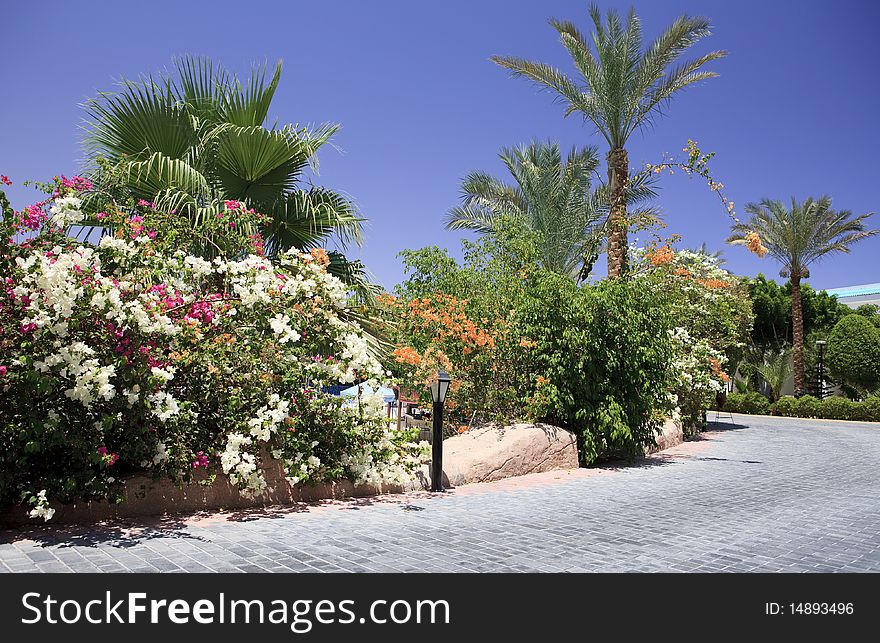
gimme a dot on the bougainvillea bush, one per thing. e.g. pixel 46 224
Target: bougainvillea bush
pixel 131 354
pixel 713 318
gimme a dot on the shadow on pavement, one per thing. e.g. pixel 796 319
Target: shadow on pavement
pixel 121 534
pixel 724 426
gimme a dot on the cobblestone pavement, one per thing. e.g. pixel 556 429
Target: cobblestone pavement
pixel 763 494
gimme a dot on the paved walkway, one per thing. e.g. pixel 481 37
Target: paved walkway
pixel 765 494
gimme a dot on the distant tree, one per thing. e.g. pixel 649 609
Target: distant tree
pixel 871 312
pixel 854 354
pixel 772 306
pixel 550 196
pixel 797 237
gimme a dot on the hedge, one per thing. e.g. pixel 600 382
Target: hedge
pixel 831 408
pixel 753 403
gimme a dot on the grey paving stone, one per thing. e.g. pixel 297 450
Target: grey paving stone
pixel 767 494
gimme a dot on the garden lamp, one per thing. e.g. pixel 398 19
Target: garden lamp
pixel 438 392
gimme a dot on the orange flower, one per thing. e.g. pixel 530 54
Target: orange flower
pixel 407 355
pixel 320 255
pixel 462 429
pixel 713 284
pixel 717 372
pixel 662 255
pixel 527 343
pixel 388 300
pixel 542 380
pixel 754 244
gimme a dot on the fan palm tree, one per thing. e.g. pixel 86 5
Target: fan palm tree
pixel 191 141
pixel 550 196
pixel 797 237
pixel 619 89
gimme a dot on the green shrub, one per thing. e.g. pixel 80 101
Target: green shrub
pixel 854 353
pixel 868 410
pixel 786 406
pixel 753 403
pixel 602 361
pixel 837 408
pixel 809 407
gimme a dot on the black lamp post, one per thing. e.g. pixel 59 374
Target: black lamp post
pixel 820 369
pixel 438 393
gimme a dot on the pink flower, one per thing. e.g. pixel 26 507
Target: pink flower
pixel 109 459
pixel 32 217
pixel 3 371
pixel 5 180
pixel 232 204
pixel 77 183
pixel 28 328
pixel 201 460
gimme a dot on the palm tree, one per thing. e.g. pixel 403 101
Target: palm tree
pixel 621 88
pixel 190 142
pixel 775 369
pixel 551 197
pixel 796 238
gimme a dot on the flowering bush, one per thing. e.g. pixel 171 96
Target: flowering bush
pixel 527 344
pixel 463 318
pixel 713 318
pixel 132 354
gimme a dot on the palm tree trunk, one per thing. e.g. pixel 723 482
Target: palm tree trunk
pixel 797 331
pixel 618 174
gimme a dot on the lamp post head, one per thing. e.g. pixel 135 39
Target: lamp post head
pixel 440 386
pixel 820 342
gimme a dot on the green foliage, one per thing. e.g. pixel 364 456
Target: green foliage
pixel 853 353
pixel 623 85
pixel 832 408
pixel 551 197
pixel 787 405
pixel 191 140
pixel 772 305
pixel 871 312
pixel 837 408
pixel 602 360
pixel 867 410
pixel 753 403
pixel 775 371
pixel 596 360
pixel 809 407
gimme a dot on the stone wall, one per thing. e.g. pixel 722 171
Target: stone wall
pixel 481 455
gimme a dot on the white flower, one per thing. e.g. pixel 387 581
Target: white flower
pixel 280 325
pixel 65 211
pixel 41 507
pixel 164 406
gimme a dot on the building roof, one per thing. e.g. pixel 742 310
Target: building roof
pixel 855 291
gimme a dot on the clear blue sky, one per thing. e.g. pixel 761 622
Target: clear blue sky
pixel 795 111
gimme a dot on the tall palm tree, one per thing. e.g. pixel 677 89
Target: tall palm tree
pixel 619 89
pixel 190 141
pixel 797 237
pixel 550 196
